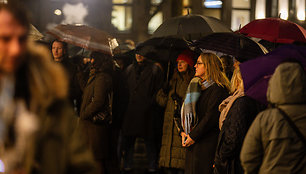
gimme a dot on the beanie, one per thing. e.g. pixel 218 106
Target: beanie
pixel 186 56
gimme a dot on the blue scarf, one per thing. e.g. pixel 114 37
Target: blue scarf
pixel 189 117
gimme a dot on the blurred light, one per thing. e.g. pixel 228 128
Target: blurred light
pixel 212 4
pixel 300 8
pixel 1 166
pixel 3 1
pixel 283 9
pixel 260 10
pixel 58 12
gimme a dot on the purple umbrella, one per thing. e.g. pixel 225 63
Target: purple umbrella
pixel 256 73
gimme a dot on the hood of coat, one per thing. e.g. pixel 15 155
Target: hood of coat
pixel 287 85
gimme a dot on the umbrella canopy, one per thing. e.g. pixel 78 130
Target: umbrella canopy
pixel 34 34
pixel 275 30
pixel 162 49
pixel 234 44
pixel 85 37
pixel 190 27
pixel 256 73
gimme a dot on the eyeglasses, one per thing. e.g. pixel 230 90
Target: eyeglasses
pixel 199 63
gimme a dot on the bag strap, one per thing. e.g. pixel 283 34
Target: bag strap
pixel 293 126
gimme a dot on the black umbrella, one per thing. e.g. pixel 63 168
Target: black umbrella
pixel 234 44
pixel 162 49
pixel 190 27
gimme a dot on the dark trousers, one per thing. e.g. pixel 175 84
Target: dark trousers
pixel 151 151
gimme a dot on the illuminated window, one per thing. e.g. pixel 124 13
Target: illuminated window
pixel 122 15
pixel 283 9
pixel 155 22
pixel 300 10
pixel 157 19
pixel 260 9
pixel 241 13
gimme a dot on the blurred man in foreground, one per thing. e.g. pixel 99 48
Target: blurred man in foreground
pixel 37 133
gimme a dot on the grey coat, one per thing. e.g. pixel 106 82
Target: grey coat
pixel 271 146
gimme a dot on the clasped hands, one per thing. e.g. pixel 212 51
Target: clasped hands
pixel 186 140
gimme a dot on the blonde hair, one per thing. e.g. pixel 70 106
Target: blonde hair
pixel 236 81
pixel 213 66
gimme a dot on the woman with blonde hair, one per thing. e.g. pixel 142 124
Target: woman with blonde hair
pixel 204 94
pixel 237 113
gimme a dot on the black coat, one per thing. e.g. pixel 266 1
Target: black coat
pixel 200 156
pixel 235 126
pixel 143 83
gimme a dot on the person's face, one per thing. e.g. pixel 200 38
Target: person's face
pixel 200 69
pixel 13 39
pixel 139 58
pixel 58 51
pixel 182 66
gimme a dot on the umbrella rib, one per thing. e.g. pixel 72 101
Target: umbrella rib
pixel 82 42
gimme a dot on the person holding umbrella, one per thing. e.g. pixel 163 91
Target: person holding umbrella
pixel 200 115
pixel 144 79
pixel 237 113
pixel 172 154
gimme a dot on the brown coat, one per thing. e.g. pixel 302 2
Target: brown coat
pixel 57 147
pixel 172 154
pixel 95 100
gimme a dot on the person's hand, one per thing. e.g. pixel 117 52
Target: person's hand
pixel 188 142
pixel 184 137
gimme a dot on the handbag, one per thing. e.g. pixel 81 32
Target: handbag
pixel 106 115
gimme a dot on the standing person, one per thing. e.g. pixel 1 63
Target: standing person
pixel 54 145
pixel 144 79
pixel 201 142
pixel 237 113
pixel 272 145
pixel 59 51
pixel 97 98
pixel 172 154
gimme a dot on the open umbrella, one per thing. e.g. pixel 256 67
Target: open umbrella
pixel 34 34
pixel 190 27
pixel 234 44
pixel 164 50
pixel 256 73
pixel 275 30
pixel 85 37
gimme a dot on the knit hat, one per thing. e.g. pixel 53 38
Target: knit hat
pixel 187 56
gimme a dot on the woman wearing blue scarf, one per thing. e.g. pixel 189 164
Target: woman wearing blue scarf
pixel 200 115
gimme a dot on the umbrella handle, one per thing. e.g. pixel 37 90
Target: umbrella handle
pixel 168 71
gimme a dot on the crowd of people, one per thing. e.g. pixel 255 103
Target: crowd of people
pixel 61 113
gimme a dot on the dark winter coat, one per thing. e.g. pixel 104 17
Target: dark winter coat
pixel 200 156
pixel 143 83
pixel 95 99
pixel 172 154
pixel 234 129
